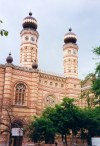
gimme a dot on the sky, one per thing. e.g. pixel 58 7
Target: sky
pixel 54 18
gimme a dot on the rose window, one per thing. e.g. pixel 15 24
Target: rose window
pixel 50 100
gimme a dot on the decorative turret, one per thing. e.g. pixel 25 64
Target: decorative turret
pixel 70 37
pixel 9 59
pixel 34 65
pixel 29 39
pixel 70 49
pixel 30 22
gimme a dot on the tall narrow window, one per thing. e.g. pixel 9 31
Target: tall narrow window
pixel 20 94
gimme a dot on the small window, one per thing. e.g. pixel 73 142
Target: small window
pixel 74 52
pixel 32 39
pixel 74 60
pixel 25 58
pixel 26 38
pixel 74 71
pixel 56 84
pixel 62 85
pixel 69 51
pixel 45 82
pixel 51 83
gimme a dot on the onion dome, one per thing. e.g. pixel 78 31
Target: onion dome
pixel 34 65
pixel 9 59
pixel 30 22
pixel 70 37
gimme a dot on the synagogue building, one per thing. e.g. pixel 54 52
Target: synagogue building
pixel 26 89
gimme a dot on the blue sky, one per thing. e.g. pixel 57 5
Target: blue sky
pixel 54 18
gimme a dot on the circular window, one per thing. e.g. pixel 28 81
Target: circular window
pixel 32 39
pixel 26 38
pixel 74 52
pixel 50 100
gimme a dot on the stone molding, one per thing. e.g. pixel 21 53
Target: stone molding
pixel 70 45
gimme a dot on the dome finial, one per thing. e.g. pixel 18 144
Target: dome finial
pixel 70 37
pixel 34 65
pixel 30 22
pixel 70 29
pixel 10 53
pixel 30 13
pixel 9 59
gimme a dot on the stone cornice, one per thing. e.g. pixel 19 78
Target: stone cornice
pixel 77 79
pixel 2 66
pixel 51 76
pixel 30 31
pixel 71 45
pixel 43 74
pixel 28 43
pixel 19 68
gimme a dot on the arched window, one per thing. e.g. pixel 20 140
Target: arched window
pixel 20 94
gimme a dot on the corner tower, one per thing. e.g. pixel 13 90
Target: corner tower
pixel 29 39
pixel 70 58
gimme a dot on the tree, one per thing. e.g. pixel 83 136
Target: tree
pixel 3 32
pixel 74 116
pixel 87 93
pixel 65 117
pixel 60 121
pixel 96 51
pixel 8 121
pixel 96 82
pixel 42 129
pixel 90 123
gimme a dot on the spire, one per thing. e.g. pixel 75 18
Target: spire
pixel 30 13
pixel 70 29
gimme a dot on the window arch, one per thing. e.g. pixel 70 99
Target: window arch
pixel 20 94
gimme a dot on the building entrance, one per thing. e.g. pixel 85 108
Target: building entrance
pixel 17 133
pixel 17 141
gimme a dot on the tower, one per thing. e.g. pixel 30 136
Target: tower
pixel 70 59
pixel 29 38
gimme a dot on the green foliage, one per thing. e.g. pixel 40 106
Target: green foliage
pixel 42 130
pixel 96 87
pixel 3 32
pixel 87 96
pixel 96 50
pixel 90 76
pixel 57 116
pixel 73 114
pixel 96 82
pixel 97 72
pixel 95 79
pixel 90 123
pixel 64 119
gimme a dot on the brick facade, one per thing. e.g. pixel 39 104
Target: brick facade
pixel 42 89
